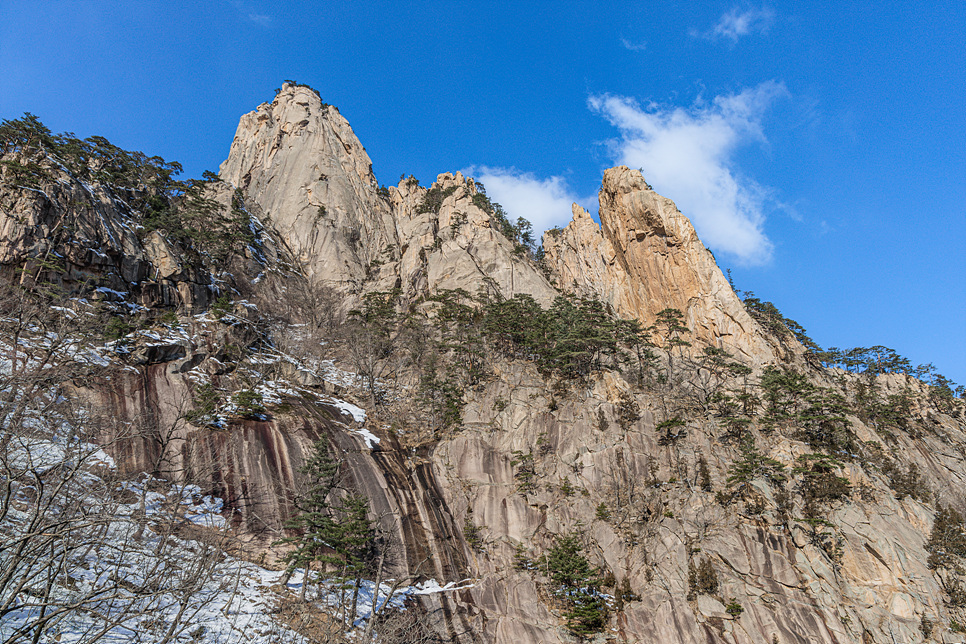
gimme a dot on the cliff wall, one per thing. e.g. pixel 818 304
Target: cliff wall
pixel 810 493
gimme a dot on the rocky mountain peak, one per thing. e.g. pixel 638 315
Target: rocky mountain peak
pixel 302 165
pixel 645 257
pixel 504 441
pixel 298 161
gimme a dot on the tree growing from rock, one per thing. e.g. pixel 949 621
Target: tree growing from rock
pixel 333 534
pixel 947 539
pixel 371 337
pixel 577 584
pixel 670 330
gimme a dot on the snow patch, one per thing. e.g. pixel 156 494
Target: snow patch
pixel 431 586
pixel 120 295
pixel 371 439
pixel 358 413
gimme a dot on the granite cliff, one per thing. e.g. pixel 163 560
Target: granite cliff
pixel 724 481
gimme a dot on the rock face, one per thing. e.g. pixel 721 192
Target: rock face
pixel 82 237
pixel 300 163
pixel 862 580
pixel 865 580
pixel 645 257
pixel 534 456
pixel 307 172
pixel 253 464
pixel 77 230
pixel 458 246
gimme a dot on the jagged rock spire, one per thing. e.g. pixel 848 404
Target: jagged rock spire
pixel 300 162
pixel 645 257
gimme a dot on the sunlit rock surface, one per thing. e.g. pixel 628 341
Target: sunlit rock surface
pixel 859 574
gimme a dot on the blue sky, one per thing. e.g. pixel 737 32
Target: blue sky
pixel 820 148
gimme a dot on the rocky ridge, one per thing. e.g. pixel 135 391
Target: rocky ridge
pixel 532 457
pixel 299 162
pixel 645 256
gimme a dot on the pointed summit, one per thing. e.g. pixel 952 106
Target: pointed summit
pixel 645 257
pixel 300 162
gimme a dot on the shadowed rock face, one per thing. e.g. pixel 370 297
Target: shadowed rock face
pixel 83 239
pixel 254 466
pixel 80 230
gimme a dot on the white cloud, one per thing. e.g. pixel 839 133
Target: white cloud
pixel 260 19
pixel 737 23
pixel 544 202
pixel 686 154
pixel 248 9
pixel 633 46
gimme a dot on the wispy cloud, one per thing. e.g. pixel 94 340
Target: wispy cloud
pixel 686 153
pixel 633 46
pixel 249 10
pixel 544 202
pixel 741 22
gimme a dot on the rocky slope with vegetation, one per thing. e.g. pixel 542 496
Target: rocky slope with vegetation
pixel 391 415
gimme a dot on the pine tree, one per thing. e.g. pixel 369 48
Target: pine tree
pixel 947 540
pixel 565 565
pixel 587 614
pixel 312 520
pixel 704 475
pixel 670 328
pixel 352 539
pixel 577 584
pixel 333 533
